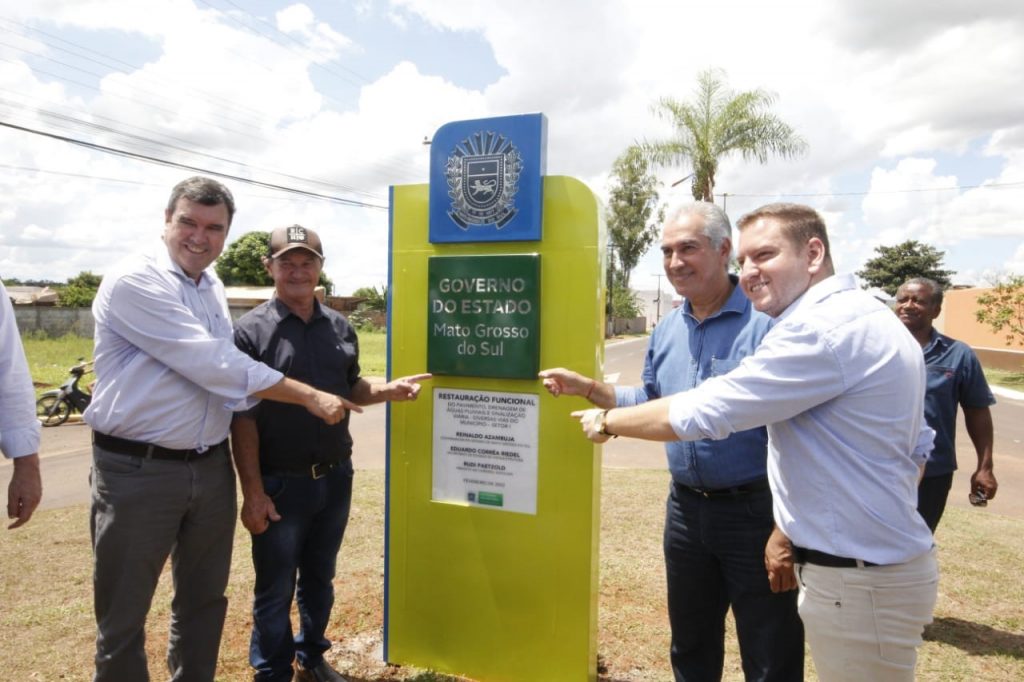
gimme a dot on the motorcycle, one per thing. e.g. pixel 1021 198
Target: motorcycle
pixel 54 407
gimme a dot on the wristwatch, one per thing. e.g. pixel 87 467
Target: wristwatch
pixel 602 424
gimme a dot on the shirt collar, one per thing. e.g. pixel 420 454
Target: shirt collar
pixel 935 340
pixel 736 303
pixel 282 311
pixel 818 293
pixel 163 260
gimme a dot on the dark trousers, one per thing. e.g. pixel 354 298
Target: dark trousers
pixel 714 559
pixel 296 556
pixel 932 493
pixel 144 510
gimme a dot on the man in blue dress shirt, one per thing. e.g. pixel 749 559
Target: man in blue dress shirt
pixel 296 475
pixel 719 510
pixel 168 377
pixel 840 384
pixel 955 378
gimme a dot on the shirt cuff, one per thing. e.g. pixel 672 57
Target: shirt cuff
pixel 260 377
pixel 21 442
pixel 680 414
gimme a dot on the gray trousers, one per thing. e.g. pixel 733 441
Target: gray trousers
pixel 144 510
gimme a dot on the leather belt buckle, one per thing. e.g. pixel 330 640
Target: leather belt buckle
pixel 320 469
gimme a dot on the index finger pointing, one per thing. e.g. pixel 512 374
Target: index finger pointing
pixel 415 378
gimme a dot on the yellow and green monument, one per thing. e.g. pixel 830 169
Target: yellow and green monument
pixel 493 494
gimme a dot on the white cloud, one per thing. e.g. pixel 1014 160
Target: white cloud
pixel 878 89
pixel 323 41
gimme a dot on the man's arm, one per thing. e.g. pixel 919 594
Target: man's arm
pixel 18 423
pixel 778 561
pixel 257 508
pixel 978 421
pixel 403 388
pixel 649 421
pixel 327 406
pixel 25 490
pixel 560 381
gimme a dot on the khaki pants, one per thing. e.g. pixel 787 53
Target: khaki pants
pixel 866 623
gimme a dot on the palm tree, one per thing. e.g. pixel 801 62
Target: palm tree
pixel 717 123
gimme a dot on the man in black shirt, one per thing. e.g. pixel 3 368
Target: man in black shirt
pixel 295 470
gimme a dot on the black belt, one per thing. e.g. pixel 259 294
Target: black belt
pixel 317 470
pixel 812 556
pixel 735 491
pixel 136 448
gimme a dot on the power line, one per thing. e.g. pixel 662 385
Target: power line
pixel 173 164
pixel 991 185
pixel 295 40
pixel 381 167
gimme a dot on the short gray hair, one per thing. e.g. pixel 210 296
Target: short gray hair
pixel 935 287
pixel 717 227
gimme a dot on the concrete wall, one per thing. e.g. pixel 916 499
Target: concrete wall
pixel 54 321
pixel 623 325
pixel 957 320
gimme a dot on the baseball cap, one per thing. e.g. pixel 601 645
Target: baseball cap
pixel 285 239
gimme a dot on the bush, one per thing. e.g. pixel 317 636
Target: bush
pixel 625 303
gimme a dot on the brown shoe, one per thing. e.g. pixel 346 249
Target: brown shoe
pixel 321 673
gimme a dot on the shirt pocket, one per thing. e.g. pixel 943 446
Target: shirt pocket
pixel 720 366
pixel 941 379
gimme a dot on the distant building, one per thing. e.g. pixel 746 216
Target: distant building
pixel 22 295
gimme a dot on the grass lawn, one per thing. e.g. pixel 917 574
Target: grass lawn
pixel 47 631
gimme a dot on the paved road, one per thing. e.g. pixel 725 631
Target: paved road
pixel 66 452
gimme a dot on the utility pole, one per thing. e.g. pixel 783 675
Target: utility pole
pixel 657 301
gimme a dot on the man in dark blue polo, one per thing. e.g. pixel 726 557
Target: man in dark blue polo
pixel 296 473
pixel 954 378
pixel 719 510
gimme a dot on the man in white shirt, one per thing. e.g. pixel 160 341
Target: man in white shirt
pixel 840 384
pixel 168 377
pixel 19 428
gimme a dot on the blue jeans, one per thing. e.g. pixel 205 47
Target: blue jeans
pixel 299 550
pixel 714 559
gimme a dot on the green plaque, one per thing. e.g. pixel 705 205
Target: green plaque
pixel 484 316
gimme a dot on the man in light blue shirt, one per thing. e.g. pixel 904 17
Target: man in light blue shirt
pixel 168 377
pixel 719 511
pixel 19 428
pixel 840 384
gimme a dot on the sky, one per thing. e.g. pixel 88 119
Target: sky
pixel 913 112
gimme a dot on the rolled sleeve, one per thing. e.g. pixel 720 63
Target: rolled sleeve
pixel 924 445
pixel 626 396
pixel 20 442
pixel 259 378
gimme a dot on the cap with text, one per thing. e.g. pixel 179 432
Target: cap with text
pixel 285 239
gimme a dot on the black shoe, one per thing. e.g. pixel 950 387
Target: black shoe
pixel 321 673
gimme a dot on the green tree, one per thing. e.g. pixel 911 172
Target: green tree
pixel 624 302
pixel 632 202
pixel 79 291
pixel 375 300
pixel 719 122
pixel 894 265
pixel 241 263
pixel 1002 309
